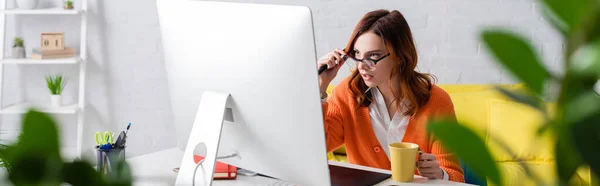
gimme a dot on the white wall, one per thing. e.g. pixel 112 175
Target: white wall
pixel 126 79
pixel 446 32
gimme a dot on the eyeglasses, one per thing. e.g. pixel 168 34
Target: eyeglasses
pixel 369 62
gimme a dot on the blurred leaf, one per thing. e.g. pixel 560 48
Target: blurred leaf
pixel 586 135
pixel 585 62
pixel 521 98
pixel 594 30
pixel 36 158
pixel 3 160
pixel 587 31
pixel 542 129
pixel 40 134
pixel 466 145
pixel 556 22
pixel 518 57
pixel 567 159
pixel 582 107
pixel 583 116
pixel 33 169
pixel 570 12
pixel 122 176
pixel 572 88
pixel 80 173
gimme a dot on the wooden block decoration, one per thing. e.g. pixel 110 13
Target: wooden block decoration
pixel 41 53
pixel 53 40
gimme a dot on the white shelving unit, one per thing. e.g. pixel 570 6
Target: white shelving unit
pixel 73 60
pixel 48 11
pixel 20 108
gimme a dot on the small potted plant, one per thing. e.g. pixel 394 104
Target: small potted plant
pixel 18 50
pixel 69 4
pixel 56 85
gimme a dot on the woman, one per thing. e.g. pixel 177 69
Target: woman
pixel 384 99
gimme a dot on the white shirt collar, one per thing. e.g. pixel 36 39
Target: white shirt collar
pixel 387 130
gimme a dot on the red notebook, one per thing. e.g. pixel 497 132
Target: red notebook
pixel 222 170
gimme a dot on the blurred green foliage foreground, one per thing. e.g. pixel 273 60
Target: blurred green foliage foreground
pixel 35 159
pixel 575 124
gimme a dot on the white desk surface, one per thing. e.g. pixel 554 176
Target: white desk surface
pixel 147 171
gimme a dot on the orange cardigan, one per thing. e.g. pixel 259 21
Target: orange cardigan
pixel 346 125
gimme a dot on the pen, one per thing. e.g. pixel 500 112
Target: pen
pixel 129 125
pixel 125 137
pixel 324 67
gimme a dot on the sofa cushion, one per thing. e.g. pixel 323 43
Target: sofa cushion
pixel 516 125
pixel 514 174
pixel 470 104
pixel 462 88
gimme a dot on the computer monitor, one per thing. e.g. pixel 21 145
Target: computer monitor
pixel 264 57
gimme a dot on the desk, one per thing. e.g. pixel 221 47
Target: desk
pixel 148 172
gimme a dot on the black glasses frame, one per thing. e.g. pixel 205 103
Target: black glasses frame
pixel 375 61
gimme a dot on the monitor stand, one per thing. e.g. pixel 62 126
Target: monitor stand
pixel 206 132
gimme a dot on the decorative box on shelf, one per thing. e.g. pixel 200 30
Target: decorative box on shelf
pixel 42 53
pixel 52 40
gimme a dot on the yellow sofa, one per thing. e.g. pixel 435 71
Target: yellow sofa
pixel 488 113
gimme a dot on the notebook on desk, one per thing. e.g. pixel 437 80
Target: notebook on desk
pixel 344 176
pixel 222 170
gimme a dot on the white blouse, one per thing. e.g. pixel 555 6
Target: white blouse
pixel 388 130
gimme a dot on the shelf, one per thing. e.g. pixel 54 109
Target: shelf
pixel 22 108
pixel 47 11
pixel 29 61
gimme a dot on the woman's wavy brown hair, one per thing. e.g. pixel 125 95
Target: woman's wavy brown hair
pixel 394 31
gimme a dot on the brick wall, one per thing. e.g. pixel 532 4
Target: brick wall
pixel 446 32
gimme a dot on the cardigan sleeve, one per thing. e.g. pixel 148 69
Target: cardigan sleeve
pixel 449 162
pixel 333 120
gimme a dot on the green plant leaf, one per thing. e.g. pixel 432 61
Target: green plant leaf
pixel 518 57
pixel 567 159
pixel 18 42
pixel 33 169
pixel 521 98
pixel 581 75
pixel 582 107
pixel 56 84
pixel 3 159
pixel 572 87
pixel 570 12
pixel 40 133
pixel 586 32
pixel 583 122
pixel 585 62
pixel 35 159
pixel 466 145
pixel 81 173
pixel 586 135
pixel 543 129
pixel 122 175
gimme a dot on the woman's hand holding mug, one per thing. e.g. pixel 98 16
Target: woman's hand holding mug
pixel 429 167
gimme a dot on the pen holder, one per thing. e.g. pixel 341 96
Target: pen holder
pixel 108 159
